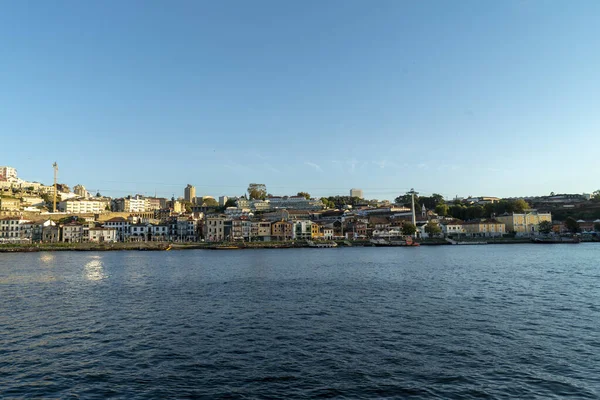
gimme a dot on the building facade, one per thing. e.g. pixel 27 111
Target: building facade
pixel 214 228
pixel 72 233
pixel 83 206
pixel 484 228
pixel 8 174
pixel 189 193
pixel 524 224
pixel 356 193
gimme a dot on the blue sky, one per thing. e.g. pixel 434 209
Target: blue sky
pixel 460 98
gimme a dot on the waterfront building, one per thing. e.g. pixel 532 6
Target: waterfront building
pixel 526 223
pixel 121 225
pixel 159 232
pixel 102 235
pixel 484 228
pixel 72 233
pixel 452 227
pixel 189 193
pixel 282 230
pixel 303 230
pixel 262 230
pixel 13 228
pixel 214 228
pixel 50 232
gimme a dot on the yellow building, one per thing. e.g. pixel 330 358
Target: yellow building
pixel 484 228
pixel 315 231
pixel 526 223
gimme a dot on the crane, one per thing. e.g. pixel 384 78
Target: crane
pixel 55 166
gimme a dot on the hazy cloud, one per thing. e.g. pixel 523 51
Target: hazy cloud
pixel 317 167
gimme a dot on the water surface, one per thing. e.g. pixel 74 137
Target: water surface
pixel 501 321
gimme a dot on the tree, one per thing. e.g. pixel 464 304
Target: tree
pixel 520 205
pixel 597 226
pixel 210 202
pixel 433 229
pixel 230 203
pixel 545 227
pixel 257 191
pixel 408 229
pixel 406 201
pixel 596 196
pixel 572 225
pixel 474 212
pixel 442 209
pixel 304 194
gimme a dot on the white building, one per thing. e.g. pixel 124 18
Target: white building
pixel 12 228
pixel 302 230
pixel 452 227
pixel 8 174
pixel 131 204
pixel 80 206
pixel 356 193
pixel 121 225
pixel 100 235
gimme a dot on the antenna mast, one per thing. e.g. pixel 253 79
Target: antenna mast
pixel 55 166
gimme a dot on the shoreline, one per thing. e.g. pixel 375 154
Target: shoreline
pixel 164 246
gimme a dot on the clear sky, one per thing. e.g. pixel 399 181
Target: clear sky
pixel 456 97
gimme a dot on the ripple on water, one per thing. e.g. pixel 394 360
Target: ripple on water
pixel 492 322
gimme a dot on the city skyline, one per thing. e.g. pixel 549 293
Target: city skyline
pixel 454 98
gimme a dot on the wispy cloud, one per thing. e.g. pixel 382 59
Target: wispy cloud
pixel 422 166
pixel 317 167
pixel 380 164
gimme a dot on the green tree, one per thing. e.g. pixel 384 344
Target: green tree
pixel 597 226
pixel 230 203
pixel 442 209
pixel 433 229
pixel 406 201
pixel 520 205
pixel 596 196
pixel 458 211
pixel 257 191
pixel 304 194
pixel 474 212
pixel 210 202
pixel 545 227
pixel 408 229
pixel 572 225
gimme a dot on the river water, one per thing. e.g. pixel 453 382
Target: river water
pixel 497 321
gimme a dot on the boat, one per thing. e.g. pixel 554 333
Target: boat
pixel 226 247
pixel 169 247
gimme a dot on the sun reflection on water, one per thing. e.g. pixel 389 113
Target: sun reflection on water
pixel 94 269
